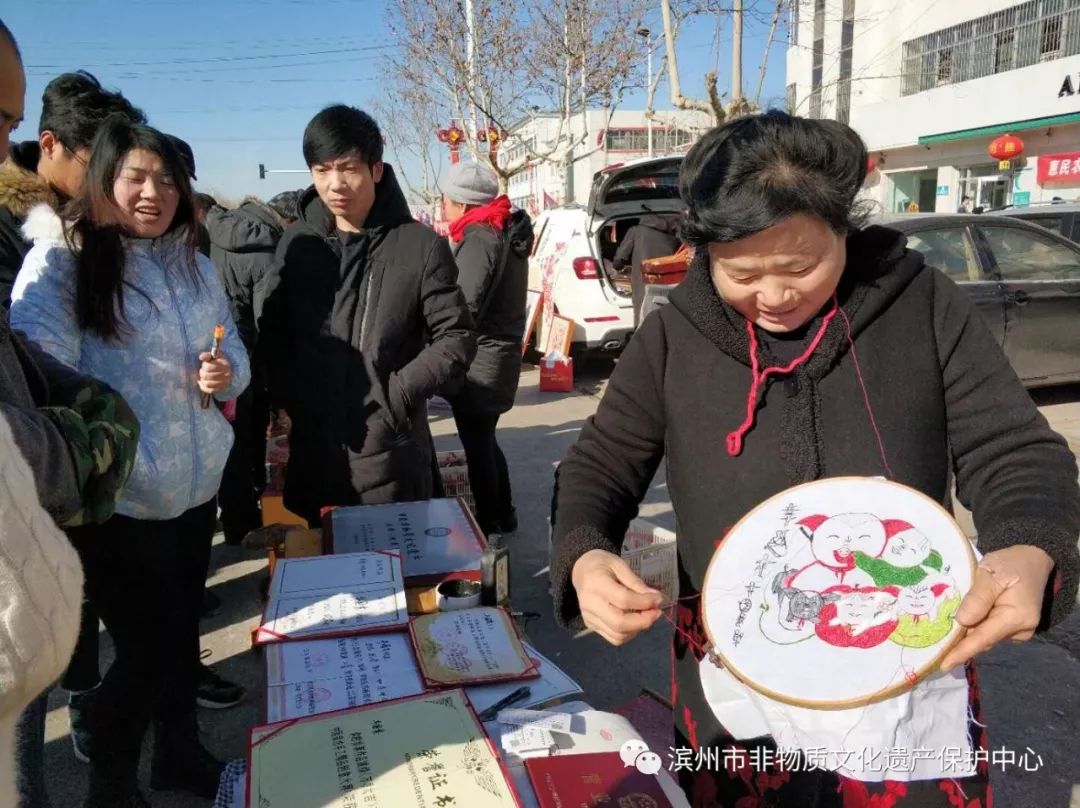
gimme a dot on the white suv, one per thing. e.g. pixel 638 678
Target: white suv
pixel 576 245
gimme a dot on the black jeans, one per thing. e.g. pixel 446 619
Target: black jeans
pixel 145 578
pixel 489 476
pixel 84 670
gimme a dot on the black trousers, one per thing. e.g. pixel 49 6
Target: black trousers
pixel 84 671
pixel 145 578
pixel 489 476
pixel 245 470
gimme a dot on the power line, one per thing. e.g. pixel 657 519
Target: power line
pixel 217 59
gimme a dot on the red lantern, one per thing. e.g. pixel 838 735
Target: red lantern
pixel 1006 147
pixel 452 136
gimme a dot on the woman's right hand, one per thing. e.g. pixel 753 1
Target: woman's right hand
pixel 615 603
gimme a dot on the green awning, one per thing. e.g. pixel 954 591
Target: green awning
pixel 1000 129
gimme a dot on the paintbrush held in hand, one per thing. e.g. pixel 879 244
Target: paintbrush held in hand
pixel 215 352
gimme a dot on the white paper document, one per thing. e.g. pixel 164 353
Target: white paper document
pixel 320 676
pixel 552 686
pixel 434 537
pixel 539 719
pixel 331 596
pixel 526 741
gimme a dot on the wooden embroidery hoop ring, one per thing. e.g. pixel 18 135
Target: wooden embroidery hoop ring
pixel 886 693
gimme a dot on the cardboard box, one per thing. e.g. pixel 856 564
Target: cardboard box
pixel 299 543
pixel 275 512
pixel 557 375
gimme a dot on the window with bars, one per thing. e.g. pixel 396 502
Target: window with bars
pixel 665 139
pixel 847 43
pixel 817 68
pixel 1026 34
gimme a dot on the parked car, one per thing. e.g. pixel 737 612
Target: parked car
pixel 576 245
pixel 1057 217
pixel 1023 278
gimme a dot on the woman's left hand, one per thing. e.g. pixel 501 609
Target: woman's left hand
pixel 1005 601
pixel 215 375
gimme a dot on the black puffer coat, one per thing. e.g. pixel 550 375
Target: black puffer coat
pixel 357 333
pixel 21 189
pixel 652 237
pixel 243 242
pixel 497 300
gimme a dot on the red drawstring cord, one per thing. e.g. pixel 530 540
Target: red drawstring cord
pixel 735 439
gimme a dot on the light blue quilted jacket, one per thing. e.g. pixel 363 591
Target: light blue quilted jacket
pixel 182 447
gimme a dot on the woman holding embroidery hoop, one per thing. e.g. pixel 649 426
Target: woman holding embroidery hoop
pixel 803 346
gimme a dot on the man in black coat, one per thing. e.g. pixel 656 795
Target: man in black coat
pixel 243 242
pixel 51 169
pixel 652 237
pixel 362 321
pixel 491 248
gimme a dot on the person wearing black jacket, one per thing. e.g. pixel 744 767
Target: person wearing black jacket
pixel 362 321
pixel 243 242
pixel 491 248
pixel 51 169
pixel 871 341
pixel 651 237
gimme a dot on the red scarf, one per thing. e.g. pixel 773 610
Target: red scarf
pixel 495 213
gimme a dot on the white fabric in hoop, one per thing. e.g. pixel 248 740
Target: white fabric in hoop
pixel 831 605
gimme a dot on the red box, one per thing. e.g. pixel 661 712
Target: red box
pixel 557 376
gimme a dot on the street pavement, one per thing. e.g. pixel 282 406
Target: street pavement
pixel 1031 690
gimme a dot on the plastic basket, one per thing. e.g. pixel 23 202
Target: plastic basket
pixel 454 471
pixel 651 553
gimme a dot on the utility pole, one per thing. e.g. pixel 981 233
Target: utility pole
pixel 470 52
pixel 646 35
pixel 736 51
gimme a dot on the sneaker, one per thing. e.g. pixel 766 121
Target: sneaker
pixel 80 706
pixel 216 693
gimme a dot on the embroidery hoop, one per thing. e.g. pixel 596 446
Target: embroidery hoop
pixel 846 498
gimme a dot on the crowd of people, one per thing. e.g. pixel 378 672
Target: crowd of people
pixel 130 418
pixel 148 337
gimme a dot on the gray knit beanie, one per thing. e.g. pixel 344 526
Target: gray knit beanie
pixel 470 183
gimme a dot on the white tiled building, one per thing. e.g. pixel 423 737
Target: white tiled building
pixel 624 138
pixel 930 83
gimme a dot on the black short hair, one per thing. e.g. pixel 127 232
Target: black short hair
pixel 75 105
pixel 751 173
pixel 7 36
pixel 338 130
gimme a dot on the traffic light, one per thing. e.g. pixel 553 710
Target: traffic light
pixel 262 171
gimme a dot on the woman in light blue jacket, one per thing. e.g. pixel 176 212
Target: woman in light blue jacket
pixel 117 291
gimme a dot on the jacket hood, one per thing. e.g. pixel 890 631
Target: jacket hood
pixel 21 189
pixel 656 222
pixel 389 209
pixel 263 232
pixel 520 232
pixel 43 225
pixel 879 268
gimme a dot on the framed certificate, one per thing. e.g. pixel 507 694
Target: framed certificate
pixel 334 596
pixel 428 751
pixel 470 646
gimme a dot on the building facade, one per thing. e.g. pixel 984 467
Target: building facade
pixel 930 84
pixel 622 138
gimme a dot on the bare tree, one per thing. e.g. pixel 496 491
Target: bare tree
pixel 408 119
pixel 559 56
pixel 675 14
